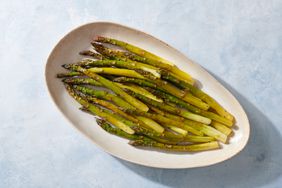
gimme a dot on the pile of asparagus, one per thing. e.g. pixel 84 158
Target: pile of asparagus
pixel 144 98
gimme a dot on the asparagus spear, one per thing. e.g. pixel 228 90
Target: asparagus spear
pixel 140 91
pixel 110 85
pixel 192 138
pixel 210 131
pixel 116 71
pixel 188 148
pixel 147 55
pixel 166 114
pixel 99 111
pixel 68 74
pixel 115 131
pixel 170 109
pixel 181 103
pixel 163 120
pixel 145 92
pixel 164 87
pixel 91 54
pixel 79 81
pixel 121 64
pixel 222 128
pixel 151 123
pixel 172 135
pixel 138 128
pixel 188 138
pixel 104 95
pixel 202 95
pixel 177 130
pixel 111 107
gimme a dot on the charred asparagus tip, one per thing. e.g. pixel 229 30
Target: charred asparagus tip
pixel 66 66
pixel 97 38
pixel 95 43
pixel 134 142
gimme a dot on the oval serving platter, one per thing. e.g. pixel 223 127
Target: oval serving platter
pixel 66 51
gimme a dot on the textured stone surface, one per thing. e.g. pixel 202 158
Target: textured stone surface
pixel 239 42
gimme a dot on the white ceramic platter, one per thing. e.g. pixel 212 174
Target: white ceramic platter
pixel 66 51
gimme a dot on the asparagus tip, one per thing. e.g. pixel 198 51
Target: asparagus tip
pixel 100 121
pixel 97 45
pixel 66 66
pixel 85 52
pixel 98 38
pixel 134 142
pixel 74 86
pixel 68 87
pixel 59 75
pixel 83 109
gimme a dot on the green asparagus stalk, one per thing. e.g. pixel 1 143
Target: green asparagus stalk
pixel 115 131
pixel 121 64
pixel 188 138
pixel 138 128
pixel 202 95
pixel 151 123
pixel 111 107
pixel 163 120
pixel 210 131
pixel 177 148
pixel 140 91
pixel 147 55
pixel 68 74
pixel 171 135
pixel 110 85
pixel 222 128
pixel 104 95
pixel 99 111
pixel 192 138
pixel 183 104
pixel 177 130
pixel 80 81
pixel 166 114
pixel 116 71
pixel 154 109
pixel 166 87
pixel 171 89
pixel 145 92
pixel 91 54
pixel 180 112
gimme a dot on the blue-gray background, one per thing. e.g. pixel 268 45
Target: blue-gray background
pixel 239 42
